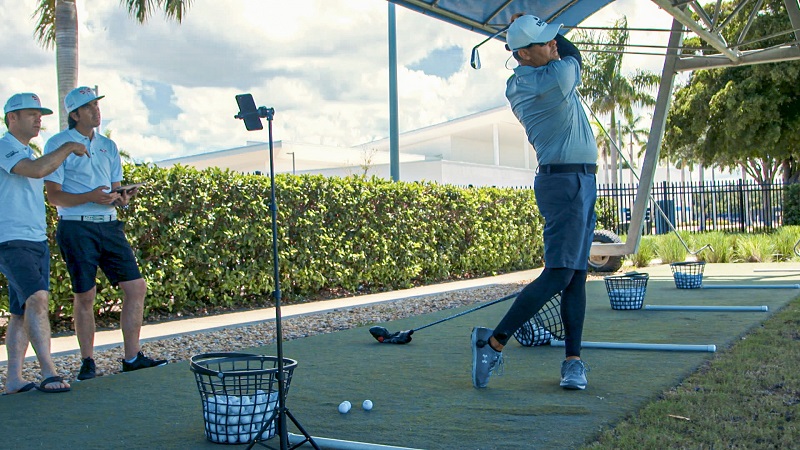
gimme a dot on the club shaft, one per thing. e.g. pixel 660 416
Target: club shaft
pixel 485 305
pixel 491 37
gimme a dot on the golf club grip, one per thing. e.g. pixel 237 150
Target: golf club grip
pixel 493 302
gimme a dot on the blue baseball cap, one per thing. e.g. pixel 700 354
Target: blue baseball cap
pixel 25 100
pixel 528 30
pixel 79 97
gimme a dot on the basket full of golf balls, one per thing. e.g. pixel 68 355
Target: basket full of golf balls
pixel 627 291
pixel 239 395
pixel 688 275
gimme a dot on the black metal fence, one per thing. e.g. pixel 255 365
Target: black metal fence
pixel 735 206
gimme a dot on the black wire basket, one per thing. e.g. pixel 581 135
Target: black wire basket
pixel 627 291
pixel 239 395
pixel 543 326
pixel 688 275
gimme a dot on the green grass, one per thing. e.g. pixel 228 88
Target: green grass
pixel 785 239
pixel 747 397
pixel 724 247
pixel 755 248
pixel 646 252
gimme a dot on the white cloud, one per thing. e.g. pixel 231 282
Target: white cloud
pixel 322 64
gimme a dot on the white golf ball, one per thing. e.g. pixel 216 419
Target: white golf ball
pixel 344 407
pixel 367 405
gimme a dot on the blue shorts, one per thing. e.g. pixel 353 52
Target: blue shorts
pixel 566 201
pixel 26 265
pixel 86 246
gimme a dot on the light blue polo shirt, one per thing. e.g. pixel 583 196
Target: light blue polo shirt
pixel 546 102
pixel 22 209
pixel 79 174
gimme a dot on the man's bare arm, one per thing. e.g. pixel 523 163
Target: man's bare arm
pixel 46 164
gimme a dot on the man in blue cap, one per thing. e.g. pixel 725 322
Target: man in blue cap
pixel 543 95
pixel 89 234
pixel 24 252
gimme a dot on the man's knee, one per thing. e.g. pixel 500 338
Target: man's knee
pixel 134 289
pixel 85 300
pixel 38 303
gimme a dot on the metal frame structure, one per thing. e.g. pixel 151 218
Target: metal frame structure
pixel 488 17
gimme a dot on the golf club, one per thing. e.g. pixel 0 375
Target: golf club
pixel 383 335
pixel 475 59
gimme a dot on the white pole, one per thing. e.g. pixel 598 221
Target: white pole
pixel 751 286
pixel 762 308
pixel 336 444
pixel 633 346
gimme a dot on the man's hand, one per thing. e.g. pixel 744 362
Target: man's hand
pixel 75 148
pixel 126 196
pixel 100 196
pixel 515 17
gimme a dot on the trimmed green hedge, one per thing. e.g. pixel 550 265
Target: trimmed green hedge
pixel 791 204
pixel 203 238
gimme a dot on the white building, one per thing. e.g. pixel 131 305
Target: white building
pixel 488 148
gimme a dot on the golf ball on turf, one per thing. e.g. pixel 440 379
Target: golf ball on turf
pixel 367 405
pixel 344 407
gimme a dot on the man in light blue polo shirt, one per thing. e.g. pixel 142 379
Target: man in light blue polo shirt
pixel 89 234
pixel 543 95
pixel 24 252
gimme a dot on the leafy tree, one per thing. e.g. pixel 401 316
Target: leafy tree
pixel 58 27
pixel 741 117
pixel 607 89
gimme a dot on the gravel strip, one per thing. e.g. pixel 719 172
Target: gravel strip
pixel 233 339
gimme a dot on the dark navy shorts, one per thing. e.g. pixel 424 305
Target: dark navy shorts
pixel 26 265
pixel 86 246
pixel 566 201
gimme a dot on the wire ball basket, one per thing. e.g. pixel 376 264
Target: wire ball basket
pixel 543 326
pixel 627 291
pixel 688 275
pixel 239 395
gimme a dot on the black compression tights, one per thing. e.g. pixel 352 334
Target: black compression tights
pixel 536 294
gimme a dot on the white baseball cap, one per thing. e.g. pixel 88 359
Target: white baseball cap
pixel 25 100
pixel 528 30
pixel 79 97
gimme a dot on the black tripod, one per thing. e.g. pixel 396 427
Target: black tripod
pixel 252 121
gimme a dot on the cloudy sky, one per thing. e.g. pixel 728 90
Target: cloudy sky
pixel 322 64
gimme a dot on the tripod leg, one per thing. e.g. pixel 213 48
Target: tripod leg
pixel 308 437
pixel 267 423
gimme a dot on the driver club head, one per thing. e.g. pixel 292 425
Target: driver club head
pixel 379 333
pixel 475 60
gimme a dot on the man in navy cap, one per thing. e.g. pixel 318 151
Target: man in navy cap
pixel 24 252
pixel 89 234
pixel 543 95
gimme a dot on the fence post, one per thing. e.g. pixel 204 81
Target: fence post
pixel 741 207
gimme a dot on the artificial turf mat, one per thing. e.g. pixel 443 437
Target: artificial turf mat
pixel 422 391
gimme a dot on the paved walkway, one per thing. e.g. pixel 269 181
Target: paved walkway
pixel 108 339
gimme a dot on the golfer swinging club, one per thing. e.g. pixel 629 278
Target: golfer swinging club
pixel 542 94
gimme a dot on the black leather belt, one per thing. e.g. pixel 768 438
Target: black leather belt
pixel 568 168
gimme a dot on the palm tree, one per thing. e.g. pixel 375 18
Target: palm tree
pixel 604 84
pixel 604 147
pixel 57 25
pixel 635 135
